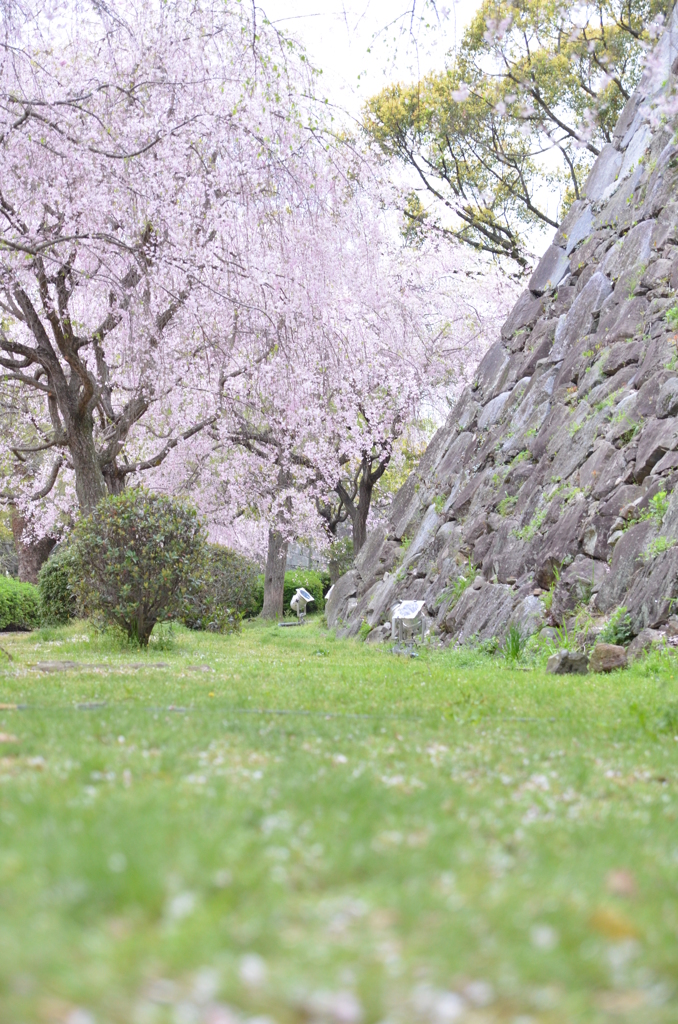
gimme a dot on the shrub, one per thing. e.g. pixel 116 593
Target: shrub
pixel 19 604
pixel 313 581
pixel 657 508
pixel 619 629
pixel 137 556
pixel 225 592
pixel 55 583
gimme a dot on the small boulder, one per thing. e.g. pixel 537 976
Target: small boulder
pixel 672 626
pixel 607 658
pixel 568 663
pixel 643 642
pixel 379 634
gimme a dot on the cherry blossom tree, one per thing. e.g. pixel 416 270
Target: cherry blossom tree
pixel 200 284
pixel 147 151
pixel 377 335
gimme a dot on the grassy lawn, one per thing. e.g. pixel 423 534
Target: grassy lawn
pixel 320 831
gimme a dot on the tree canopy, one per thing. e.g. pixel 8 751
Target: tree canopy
pixel 202 283
pixel 528 99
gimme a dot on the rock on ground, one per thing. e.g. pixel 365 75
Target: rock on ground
pixel 564 663
pixel 607 658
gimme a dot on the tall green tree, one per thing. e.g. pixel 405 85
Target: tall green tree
pixel 528 99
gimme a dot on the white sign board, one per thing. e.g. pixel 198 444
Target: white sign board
pixel 409 611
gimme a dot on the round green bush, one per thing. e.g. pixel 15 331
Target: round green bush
pixel 55 583
pixel 19 604
pixel 137 557
pixel 225 593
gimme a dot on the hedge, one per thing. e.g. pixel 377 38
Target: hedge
pixel 19 604
pixel 55 583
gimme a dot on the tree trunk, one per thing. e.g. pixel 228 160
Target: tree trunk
pixel 31 554
pixel 90 486
pixel 274 580
pixel 362 511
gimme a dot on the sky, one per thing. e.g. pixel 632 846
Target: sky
pixel 339 35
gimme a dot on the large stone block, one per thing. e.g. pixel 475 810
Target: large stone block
pixel 529 615
pixel 657 437
pixel 575 325
pixel 625 561
pixel 626 119
pixel 492 411
pixel 667 399
pixel 551 269
pixel 657 275
pixel 627 322
pixel 603 173
pixel 537 346
pixel 575 586
pixel 596 467
pixel 492 370
pixel 652 594
pixel 632 251
pixel 382 597
pixel 453 461
pixel 368 558
pixel 666 227
pixel 490 613
pixel 637 148
pixel 645 641
pixel 336 606
pixel 423 537
pixel 623 210
pixel 594 538
pixel 524 314
pixel 580 230
pixel 623 354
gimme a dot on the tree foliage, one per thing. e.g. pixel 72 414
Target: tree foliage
pixel 529 98
pixel 148 152
pixel 202 282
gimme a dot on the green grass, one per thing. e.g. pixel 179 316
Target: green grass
pixel 317 823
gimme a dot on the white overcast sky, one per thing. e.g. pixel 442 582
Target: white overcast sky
pixel 338 35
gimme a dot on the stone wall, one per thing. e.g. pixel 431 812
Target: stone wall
pixel 543 478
